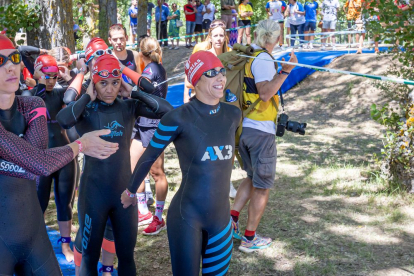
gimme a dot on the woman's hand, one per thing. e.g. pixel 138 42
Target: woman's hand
pixel 127 200
pixel 38 73
pixel 64 73
pixel 91 91
pixel 30 82
pixel 125 89
pixel 288 67
pixel 94 146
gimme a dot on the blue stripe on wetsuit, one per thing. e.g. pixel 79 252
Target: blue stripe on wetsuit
pixel 163 138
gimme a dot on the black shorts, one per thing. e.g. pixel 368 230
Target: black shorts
pixel 144 134
pixel 206 24
pixel 246 22
pixel 198 28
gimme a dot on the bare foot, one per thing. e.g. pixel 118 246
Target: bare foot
pixel 67 252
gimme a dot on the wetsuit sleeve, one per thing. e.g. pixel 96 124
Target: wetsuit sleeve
pixel 150 106
pixel 29 55
pixel 168 130
pixel 74 89
pixel 143 83
pixel 70 115
pixel 40 91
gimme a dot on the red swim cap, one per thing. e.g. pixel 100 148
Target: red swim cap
pixel 95 44
pixel 6 43
pixel 198 63
pixel 48 64
pixel 108 63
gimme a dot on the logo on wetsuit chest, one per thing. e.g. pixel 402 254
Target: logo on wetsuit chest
pixel 86 235
pixel 10 167
pixel 218 152
pixel 114 126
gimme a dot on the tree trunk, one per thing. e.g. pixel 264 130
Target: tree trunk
pixel 142 17
pixel 4 3
pixel 56 25
pixel 107 17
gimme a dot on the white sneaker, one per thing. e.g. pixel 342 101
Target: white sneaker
pixel 306 46
pixel 233 191
pixel 176 48
pixel 334 48
pixel 310 46
pixel 170 48
pixel 323 48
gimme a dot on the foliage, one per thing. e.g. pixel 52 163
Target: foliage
pixel 19 15
pixel 397 160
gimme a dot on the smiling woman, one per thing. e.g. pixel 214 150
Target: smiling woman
pixel 203 134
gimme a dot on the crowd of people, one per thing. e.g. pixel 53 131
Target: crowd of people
pixel 110 106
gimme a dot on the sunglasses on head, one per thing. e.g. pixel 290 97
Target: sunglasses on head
pixel 213 72
pixel 217 24
pixel 99 53
pixel 14 57
pixel 105 73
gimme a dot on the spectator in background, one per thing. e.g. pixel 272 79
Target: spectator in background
pixel 149 17
pixel 166 4
pixel 245 13
pixel 81 17
pixel 329 11
pixel 297 20
pixel 190 18
pixel 233 39
pixel 199 21
pixel 75 32
pixel 161 14
pixel 133 13
pixel 275 10
pixel 352 14
pixel 208 14
pixel 226 15
pixel 311 11
pixel 173 30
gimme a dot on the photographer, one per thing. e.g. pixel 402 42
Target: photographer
pixel 257 145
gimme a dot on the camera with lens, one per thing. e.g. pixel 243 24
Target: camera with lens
pixel 283 123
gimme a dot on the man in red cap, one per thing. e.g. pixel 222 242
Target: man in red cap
pixel 203 130
pixel 103 182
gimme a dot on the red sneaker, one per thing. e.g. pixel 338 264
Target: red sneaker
pixel 144 219
pixel 155 227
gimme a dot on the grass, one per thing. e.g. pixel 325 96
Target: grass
pixel 329 213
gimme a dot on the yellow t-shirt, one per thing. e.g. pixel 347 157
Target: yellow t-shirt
pixel 245 8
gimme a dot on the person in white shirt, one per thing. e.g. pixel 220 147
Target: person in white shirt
pixel 329 11
pixel 208 14
pixel 275 10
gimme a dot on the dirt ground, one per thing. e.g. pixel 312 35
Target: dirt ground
pixel 329 212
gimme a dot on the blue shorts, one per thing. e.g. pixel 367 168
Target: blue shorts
pixel 206 24
pixel 189 27
pixel 310 26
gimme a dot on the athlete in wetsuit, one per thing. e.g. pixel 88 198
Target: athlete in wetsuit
pixel 24 244
pixel 64 179
pixel 203 133
pixel 101 181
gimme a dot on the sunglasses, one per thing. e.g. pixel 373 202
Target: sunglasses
pixel 14 57
pixel 50 78
pixel 99 53
pixel 105 73
pixel 213 72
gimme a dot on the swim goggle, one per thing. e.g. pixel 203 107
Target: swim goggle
pixel 105 73
pixel 14 57
pixel 99 53
pixel 213 72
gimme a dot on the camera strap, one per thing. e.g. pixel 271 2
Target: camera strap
pixel 281 100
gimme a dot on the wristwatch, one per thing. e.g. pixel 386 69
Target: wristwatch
pixel 284 73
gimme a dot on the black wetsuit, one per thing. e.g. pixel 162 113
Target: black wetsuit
pixel 146 127
pixel 65 178
pixel 25 248
pixel 198 217
pixel 103 181
pixel 130 63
